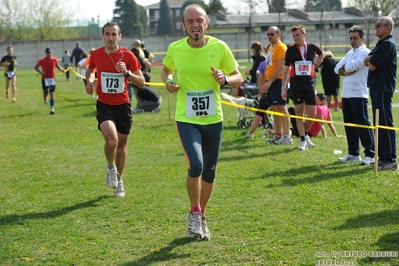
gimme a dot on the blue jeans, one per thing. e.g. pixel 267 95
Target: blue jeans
pixel 355 111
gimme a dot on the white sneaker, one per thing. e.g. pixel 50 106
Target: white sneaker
pixel 367 161
pixel 119 192
pixel 205 230
pixel 194 225
pixel 350 159
pixel 273 140
pixel 303 145
pixel 250 135
pixel 284 140
pixel 112 177
pixel 309 142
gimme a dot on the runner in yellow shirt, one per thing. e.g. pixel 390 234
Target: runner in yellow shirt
pixel 203 64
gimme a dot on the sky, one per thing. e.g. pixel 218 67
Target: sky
pixel 92 9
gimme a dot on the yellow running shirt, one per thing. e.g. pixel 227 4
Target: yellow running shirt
pixel 198 100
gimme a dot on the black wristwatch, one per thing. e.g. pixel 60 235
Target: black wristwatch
pixel 128 73
pixel 226 80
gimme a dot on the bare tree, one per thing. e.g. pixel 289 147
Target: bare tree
pixel 277 6
pixel 253 6
pixel 24 20
pixel 370 10
pixel 14 20
pixel 390 8
pixel 318 6
pixel 50 18
pixel 383 7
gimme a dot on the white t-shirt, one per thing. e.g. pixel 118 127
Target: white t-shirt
pixel 82 68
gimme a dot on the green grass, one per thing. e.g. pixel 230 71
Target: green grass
pixel 272 205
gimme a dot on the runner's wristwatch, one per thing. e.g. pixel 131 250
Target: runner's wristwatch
pixel 128 73
pixel 226 80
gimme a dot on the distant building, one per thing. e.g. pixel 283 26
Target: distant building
pixel 222 23
pixel 175 9
pixel 311 20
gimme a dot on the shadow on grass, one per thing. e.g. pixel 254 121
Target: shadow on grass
pixel 76 102
pixel 372 220
pixel 234 127
pixel 90 114
pixel 163 254
pixel 245 148
pixel 241 143
pixel 387 242
pixel 19 115
pixel 313 174
pixel 20 219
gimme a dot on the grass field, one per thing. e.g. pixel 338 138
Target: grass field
pixel 272 205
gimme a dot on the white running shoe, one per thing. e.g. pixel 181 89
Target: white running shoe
pixel 309 142
pixel 367 161
pixel 194 225
pixel 274 139
pixel 112 177
pixel 350 159
pixel 119 192
pixel 284 140
pixel 205 230
pixel 250 135
pixel 303 145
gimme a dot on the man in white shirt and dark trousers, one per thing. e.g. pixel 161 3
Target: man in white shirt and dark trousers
pixel 355 99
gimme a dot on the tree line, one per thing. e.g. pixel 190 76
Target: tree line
pixel 39 20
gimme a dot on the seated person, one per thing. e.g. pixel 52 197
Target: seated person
pixel 148 100
pixel 145 66
pixel 322 113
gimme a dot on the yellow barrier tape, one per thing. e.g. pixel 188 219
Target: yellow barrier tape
pixel 155 84
pixel 78 74
pixel 246 50
pixel 306 118
pixel 58 74
pixel 160 84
